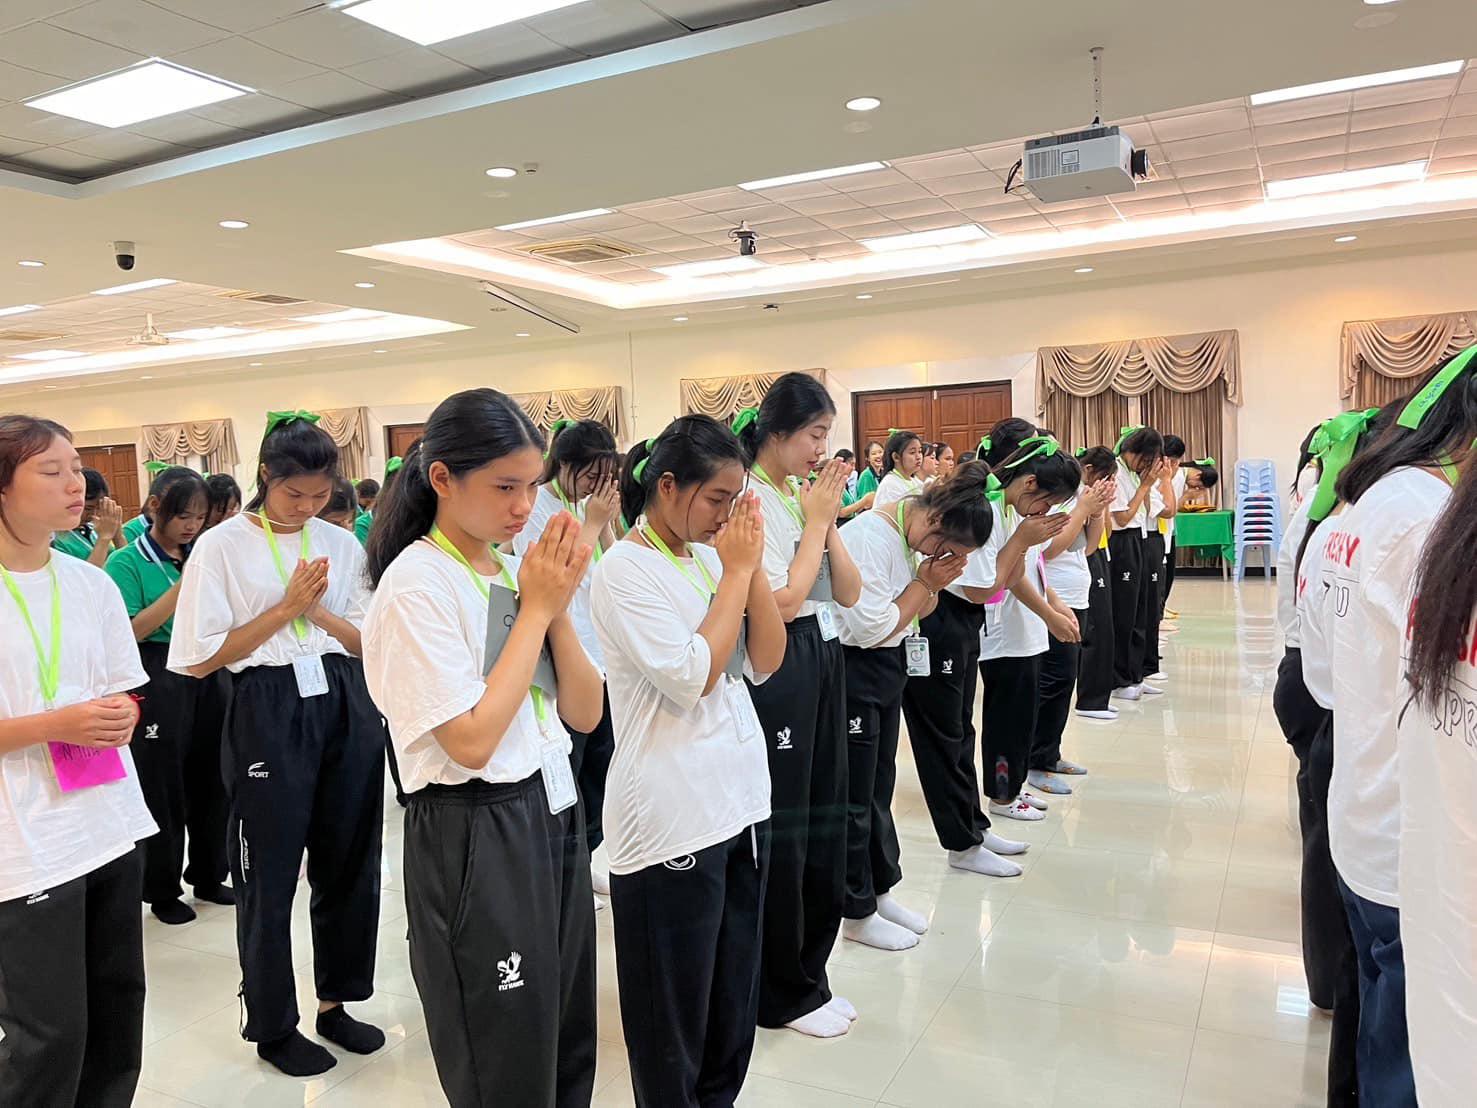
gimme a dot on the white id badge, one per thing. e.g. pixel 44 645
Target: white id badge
pixel 916 651
pixel 820 592
pixel 735 666
pixel 558 777
pixel 825 618
pixel 311 679
pixel 743 723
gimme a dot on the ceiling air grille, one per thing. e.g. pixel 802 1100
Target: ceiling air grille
pixel 578 251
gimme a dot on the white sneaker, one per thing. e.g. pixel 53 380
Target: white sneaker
pixel 1160 676
pixel 1150 690
pixel 1048 783
pixel 1128 692
pixel 1094 713
pixel 1017 810
pixel 1033 800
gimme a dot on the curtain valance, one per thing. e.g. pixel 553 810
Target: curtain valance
pixel 601 404
pixel 213 440
pixel 724 397
pixel 349 430
pixel 1131 367
pixel 1399 349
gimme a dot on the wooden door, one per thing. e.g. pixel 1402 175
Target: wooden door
pixel 119 467
pixel 962 416
pixel 956 414
pixel 400 437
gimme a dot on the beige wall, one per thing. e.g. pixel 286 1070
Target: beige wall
pixel 1289 322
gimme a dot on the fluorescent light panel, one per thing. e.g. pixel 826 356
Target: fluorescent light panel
pixel 201 334
pixel 945 236
pixel 1343 182
pixel 147 90
pixel 1349 84
pixel 567 217
pixel 813 175
pixel 17 309
pixel 135 286
pixel 431 21
pixel 49 355
pixel 709 269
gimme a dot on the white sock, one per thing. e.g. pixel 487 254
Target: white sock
pixel 979 860
pixel 841 1005
pixel 878 932
pixel 889 909
pixel 821 1024
pixel 999 845
pixel 600 880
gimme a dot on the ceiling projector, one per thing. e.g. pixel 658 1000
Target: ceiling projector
pixel 1099 161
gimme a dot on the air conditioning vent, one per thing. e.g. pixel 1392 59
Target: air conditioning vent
pixel 577 251
pixel 262 297
pixel 30 336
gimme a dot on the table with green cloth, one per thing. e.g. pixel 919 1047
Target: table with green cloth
pixel 1207 529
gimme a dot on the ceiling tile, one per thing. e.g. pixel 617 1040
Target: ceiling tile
pixel 841 220
pixel 259 112
pixel 822 205
pixel 1167 186
pixel 723 200
pixel 1207 147
pixel 1398 116
pixel 804 190
pixel 695 224
pixel 893 194
pixel 788 229
pixel 1454 127
pixel 861 182
pixel 1391 155
pixel 1094 214
pixel 18 83
pixel 10 147
pixel 234 15
pixel 1018 225
pixel 334 93
pixel 999 156
pixel 1303 151
pixel 247 63
pixel 20 122
pixel 1465 104
pixel 500 51
pixel 415 71
pixel 930 222
pixel 122 146
pixel 700 14
pixel 1407 92
pixel 136 25
pixel 810 239
pixel 1457 146
pixel 1201 124
pixel 1227 178
pixel 1151 205
pixel 185 129
pixel 1290 110
pixel 917 209
pixel 1312 168
pixel 1321 127
pixel 981 181
pixel 14 13
pixel 329 38
pixel 947 165
pixel 1394 136
pixel 1193 167
pixel 69 162
pixel 660 211
pixel 49 49
pixel 605 26
pixel 878 229
pixel 1464 165
pixel 1214 198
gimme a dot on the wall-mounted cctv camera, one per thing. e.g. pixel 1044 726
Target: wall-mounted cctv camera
pixel 124 254
pixel 748 241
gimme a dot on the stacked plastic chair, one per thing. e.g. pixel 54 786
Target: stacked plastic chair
pixel 1258 513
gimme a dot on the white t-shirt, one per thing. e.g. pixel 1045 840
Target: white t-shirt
pixel 1156 505
pixel 1287 583
pixel 1313 614
pixel 689 770
pixel 1011 630
pixel 1067 573
pixel 1438 884
pixel 886 569
pixel 425 647
pixel 782 532
pixel 894 487
pixel 230 579
pixel 1128 484
pixel 1374 551
pixel 546 505
pixel 48 837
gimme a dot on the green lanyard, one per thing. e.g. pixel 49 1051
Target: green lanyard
pixel 787 499
pixel 50 669
pixel 574 511
pixel 902 534
pixel 711 588
pixel 440 539
pixel 300 623
pixel 1449 468
pixel 140 544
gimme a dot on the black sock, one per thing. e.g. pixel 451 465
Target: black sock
pixel 337 1026
pixel 173 911
pixel 296 1056
pixel 215 894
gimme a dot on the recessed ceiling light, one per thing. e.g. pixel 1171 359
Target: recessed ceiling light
pixel 234 224
pixel 49 355
pixel 364 284
pixel 427 23
pixel 17 309
pixel 147 377
pixel 147 90
pixel 502 171
pixel 735 264
pixel 565 218
pixel 1347 238
pixel 864 296
pixel 134 286
pixel 338 317
pixel 1083 269
pixel 1341 182
pixel 381 351
pixel 253 365
pixel 30 263
pixel 48 388
pixel 945 236
pixel 812 175
pixel 1349 84
pixel 521 335
pixel 201 334
pixel 1380 3
pixel 679 319
pixel 863 104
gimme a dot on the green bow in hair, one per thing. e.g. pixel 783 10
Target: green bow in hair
pixel 1081 450
pixel 156 467
pixel 282 419
pixel 1123 436
pixel 639 469
pixel 744 419
pixel 1333 444
pixel 995 491
pixel 983 448
pixel 1205 461
pixel 554 429
pixel 1045 447
pixel 393 466
pixel 1423 401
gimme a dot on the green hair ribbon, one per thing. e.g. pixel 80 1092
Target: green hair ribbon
pixel 639 469
pixel 156 467
pixel 1081 450
pixel 1423 401
pixel 995 491
pixel 1205 461
pixel 554 429
pixel 1334 444
pixel 282 419
pixel 1044 447
pixel 984 447
pixel 744 419
pixel 393 466
pixel 1123 435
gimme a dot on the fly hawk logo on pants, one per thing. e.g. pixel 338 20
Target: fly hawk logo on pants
pixel 151 730
pixel 854 726
pixel 258 769
pixel 948 666
pixel 782 740
pixel 512 976
pixel 1128 575
pixel 682 864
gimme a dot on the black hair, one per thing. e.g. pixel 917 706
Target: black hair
pixel 21 439
pixel 959 506
pixel 583 446
pixel 1005 436
pixel 1445 595
pixel 221 490
pixel 967 456
pixel 1056 474
pixel 294 449
pixel 930 450
pixel 1174 446
pixel 940 449
pixel 367 489
pixel 1146 443
pixel 1447 429
pixel 343 500
pixel 846 455
pixel 177 488
pixel 1305 456
pixel 691 449
pixel 897 443
pixel 792 403
pixel 1103 463
pixel 1210 477
pixel 467 431
pixel 97 484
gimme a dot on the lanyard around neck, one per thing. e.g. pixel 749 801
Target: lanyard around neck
pixel 707 587
pixel 1448 467
pixel 300 623
pixel 908 555
pixel 141 544
pixel 786 498
pixel 49 668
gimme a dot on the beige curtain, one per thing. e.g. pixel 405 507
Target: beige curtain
pixel 1379 358
pixel 1086 420
pixel 1194 417
pixel 1131 367
pixel 214 440
pixel 724 397
pixel 600 404
pixel 349 430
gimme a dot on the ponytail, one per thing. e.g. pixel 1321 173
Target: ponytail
pixel 691 449
pixel 1445 595
pixel 959 507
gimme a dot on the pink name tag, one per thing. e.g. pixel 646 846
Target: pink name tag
pixel 82 767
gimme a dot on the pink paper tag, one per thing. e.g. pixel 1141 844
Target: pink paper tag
pixel 81 767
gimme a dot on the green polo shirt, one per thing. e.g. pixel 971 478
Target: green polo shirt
pixel 142 581
pixel 866 483
pixel 78 544
pixel 361 527
pixel 135 527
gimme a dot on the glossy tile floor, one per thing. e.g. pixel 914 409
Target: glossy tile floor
pixel 1147 957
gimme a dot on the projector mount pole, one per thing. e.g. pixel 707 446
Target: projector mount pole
pixel 1097 86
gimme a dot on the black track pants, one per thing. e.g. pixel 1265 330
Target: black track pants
pixel 1126 551
pixel 1095 674
pixel 589 761
pixel 1151 605
pixel 874 695
pixel 1008 723
pixel 1058 677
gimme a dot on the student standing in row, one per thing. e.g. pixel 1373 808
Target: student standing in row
pixel 225 498
pixel 179 764
pixel 502 926
pixel 884 648
pixel 277 596
pixel 1394 490
pixel 97 532
pixel 580 478
pixel 1175 450
pixel 1164 502
pixel 902 470
pixel 682 623
pixel 802 707
pixel 1140 452
pixel 71 936
pixel 871 474
pixel 853 501
pixel 1095 671
pixel 342 508
pixel 946 458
